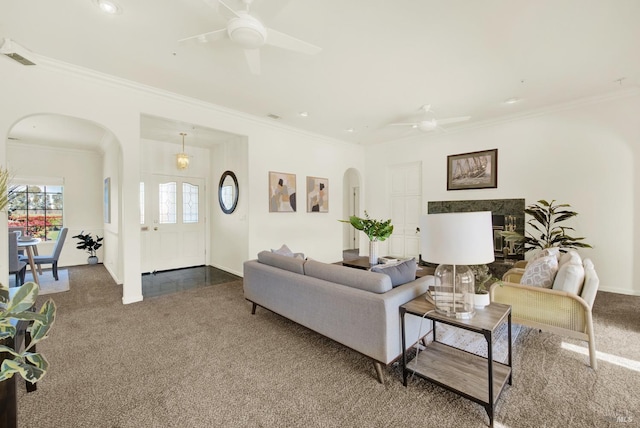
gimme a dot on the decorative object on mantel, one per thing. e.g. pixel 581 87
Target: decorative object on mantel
pixel 376 230
pixel 546 217
pixel 90 245
pixel 475 170
pixel 454 241
pixel 182 159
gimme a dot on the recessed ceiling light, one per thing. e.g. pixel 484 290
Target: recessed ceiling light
pixel 349 130
pixel 108 6
pixel 303 114
pixel 512 100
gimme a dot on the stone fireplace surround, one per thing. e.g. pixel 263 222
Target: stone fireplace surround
pixel 500 208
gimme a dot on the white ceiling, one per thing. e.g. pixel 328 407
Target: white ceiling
pixel 381 59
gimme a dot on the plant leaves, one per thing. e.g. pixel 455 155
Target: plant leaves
pixel 40 329
pixel 6 328
pixel 24 298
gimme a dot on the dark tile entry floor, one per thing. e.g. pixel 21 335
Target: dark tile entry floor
pixel 159 283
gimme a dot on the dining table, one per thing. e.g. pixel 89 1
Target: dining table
pixel 30 247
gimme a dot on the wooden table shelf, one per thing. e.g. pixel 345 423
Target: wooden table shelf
pixel 472 376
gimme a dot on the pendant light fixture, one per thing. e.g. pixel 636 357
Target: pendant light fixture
pixel 182 159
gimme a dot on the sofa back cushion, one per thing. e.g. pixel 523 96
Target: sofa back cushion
pixel 356 278
pixel 570 276
pixel 292 264
pixel 399 273
pixel 591 283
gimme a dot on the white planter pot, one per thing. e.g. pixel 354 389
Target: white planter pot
pixel 373 252
pixel 92 260
pixel 481 300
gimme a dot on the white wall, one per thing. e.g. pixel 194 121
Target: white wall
pixel 585 155
pixel 112 248
pixel 51 87
pixel 230 232
pixel 82 197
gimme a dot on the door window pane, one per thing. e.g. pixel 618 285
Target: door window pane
pixel 189 203
pixel 167 202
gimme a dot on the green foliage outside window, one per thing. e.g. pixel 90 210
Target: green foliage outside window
pixel 37 208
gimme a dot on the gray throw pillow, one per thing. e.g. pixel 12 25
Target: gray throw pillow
pixel 400 273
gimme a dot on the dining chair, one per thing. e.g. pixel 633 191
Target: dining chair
pixel 16 266
pixel 53 257
pixel 21 231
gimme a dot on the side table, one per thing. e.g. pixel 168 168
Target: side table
pixel 472 376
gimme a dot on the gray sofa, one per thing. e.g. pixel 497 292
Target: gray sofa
pixel 357 308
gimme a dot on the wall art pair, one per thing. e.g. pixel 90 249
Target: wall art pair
pixel 283 195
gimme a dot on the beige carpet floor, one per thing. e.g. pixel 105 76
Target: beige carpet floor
pixel 198 358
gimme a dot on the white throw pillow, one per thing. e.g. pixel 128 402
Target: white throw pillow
pixel 571 256
pixel 540 272
pixel 569 278
pixel 553 251
pixel 285 251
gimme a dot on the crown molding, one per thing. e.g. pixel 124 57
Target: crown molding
pixel 104 78
pixel 528 114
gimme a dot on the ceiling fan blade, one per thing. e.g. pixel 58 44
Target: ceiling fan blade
pixel 211 36
pixel 253 60
pixel 226 10
pixel 284 41
pixel 453 120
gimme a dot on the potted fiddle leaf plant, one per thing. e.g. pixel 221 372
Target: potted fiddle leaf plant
pixel 17 311
pixel 376 230
pixel 90 245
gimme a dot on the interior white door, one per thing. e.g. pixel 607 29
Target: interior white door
pixel 173 223
pixel 406 201
pixel 354 209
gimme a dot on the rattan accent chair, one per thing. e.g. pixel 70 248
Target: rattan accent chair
pixel 559 312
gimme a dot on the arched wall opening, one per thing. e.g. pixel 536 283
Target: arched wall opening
pixel 352 184
pixel 78 155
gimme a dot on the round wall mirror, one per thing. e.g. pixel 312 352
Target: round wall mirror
pixel 228 192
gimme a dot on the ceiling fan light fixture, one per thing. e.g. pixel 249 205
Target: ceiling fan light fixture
pixel 247 31
pixel 427 125
pixel 108 6
pixel 182 159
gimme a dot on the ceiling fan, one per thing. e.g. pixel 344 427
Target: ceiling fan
pixel 249 33
pixel 427 125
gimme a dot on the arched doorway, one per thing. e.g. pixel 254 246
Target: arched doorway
pixel 351 206
pixel 74 155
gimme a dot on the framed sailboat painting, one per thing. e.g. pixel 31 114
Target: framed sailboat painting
pixel 475 170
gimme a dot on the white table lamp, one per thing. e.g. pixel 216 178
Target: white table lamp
pixel 455 240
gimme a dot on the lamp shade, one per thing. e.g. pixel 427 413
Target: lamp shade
pixel 457 238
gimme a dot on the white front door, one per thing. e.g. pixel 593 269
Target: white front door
pixel 173 223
